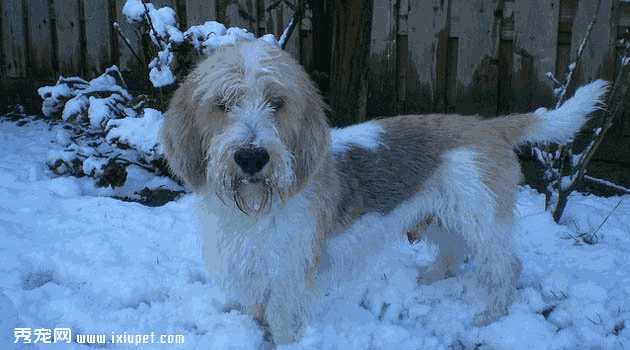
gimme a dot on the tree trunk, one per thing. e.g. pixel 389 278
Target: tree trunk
pixel 347 95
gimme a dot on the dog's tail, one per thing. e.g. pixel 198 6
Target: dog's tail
pixel 556 125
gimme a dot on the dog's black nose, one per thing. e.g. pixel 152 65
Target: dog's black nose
pixel 252 159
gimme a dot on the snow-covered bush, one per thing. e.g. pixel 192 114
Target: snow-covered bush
pixel 104 128
pixel 160 24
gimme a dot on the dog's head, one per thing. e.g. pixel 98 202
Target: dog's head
pixel 247 124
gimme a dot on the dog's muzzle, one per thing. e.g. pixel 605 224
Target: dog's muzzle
pixel 251 159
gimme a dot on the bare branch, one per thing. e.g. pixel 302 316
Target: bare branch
pixel 127 42
pixel 298 14
pixel 607 184
pixel 553 79
pixel 563 164
pixel 578 58
pixel 160 41
pixel 607 217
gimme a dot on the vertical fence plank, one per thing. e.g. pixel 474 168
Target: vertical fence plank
pixel 241 13
pixel 128 62
pixel 67 26
pixel 477 30
pixel 382 62
pixel 277 20
pixel 200 11
pixel 428 43
pixel 2 53
pixel 535 47
pixel 97 36
pixel 40 40
pixel 13 39
pixel 622 29
pixel 598 60
pixel 306 41
pixel 614 20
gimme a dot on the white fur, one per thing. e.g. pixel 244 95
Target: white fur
pixel 365 135
pixel 263 261
pixel 251 123
pixel 560 125
pixel 461 201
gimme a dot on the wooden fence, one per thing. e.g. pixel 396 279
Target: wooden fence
pixel 466 56
pixel 42 39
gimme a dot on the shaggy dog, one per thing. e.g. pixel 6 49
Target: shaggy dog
pixel 247 130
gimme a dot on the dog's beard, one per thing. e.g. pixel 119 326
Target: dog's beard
pixel 252 195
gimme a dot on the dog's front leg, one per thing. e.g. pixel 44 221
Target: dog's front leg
pixel 286 312
pixel 288 302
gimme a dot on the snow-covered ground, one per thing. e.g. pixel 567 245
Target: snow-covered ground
pixel 70 256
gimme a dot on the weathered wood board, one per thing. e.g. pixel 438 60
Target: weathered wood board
pixel 98 37
pixel 277 19
pixel 306 41
pixel 68 32
pixel 477 29
pixel 13 39
pixel 427 51
pixel 535 40
pixel 598 60
pixel 382 63
pixel 39 42
pixel 242 14
pixel 127 60
pixel 200 11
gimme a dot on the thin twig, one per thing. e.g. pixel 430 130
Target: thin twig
pixel 607 184
pixel 563 163
pixel 128 43
pixel 298 14
pixel 607 217
pixel 578 58
pixel 147 15
pixel 615 99
pixel 286 34
pixel 553 79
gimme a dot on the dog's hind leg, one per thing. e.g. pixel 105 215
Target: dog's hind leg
pixel 467 204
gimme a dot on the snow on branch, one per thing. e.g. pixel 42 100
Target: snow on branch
pixel 607 183
pixel 160 24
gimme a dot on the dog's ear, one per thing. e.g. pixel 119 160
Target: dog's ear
pixel 316 130
pixel 182 141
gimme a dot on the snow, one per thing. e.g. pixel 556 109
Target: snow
pixel 160 73
pixel 133 10
pixel 200 33
pixel 139 133
pixel 231 37
pixel 52 96
pixel 72 256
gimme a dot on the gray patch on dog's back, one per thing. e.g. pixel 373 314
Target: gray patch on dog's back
pixel 410 151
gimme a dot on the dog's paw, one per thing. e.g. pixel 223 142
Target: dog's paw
pixel 489 315
pixel 267 345
pixel 484 318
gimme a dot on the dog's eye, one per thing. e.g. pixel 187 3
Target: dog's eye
pixel 276 103
pixel 221 104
